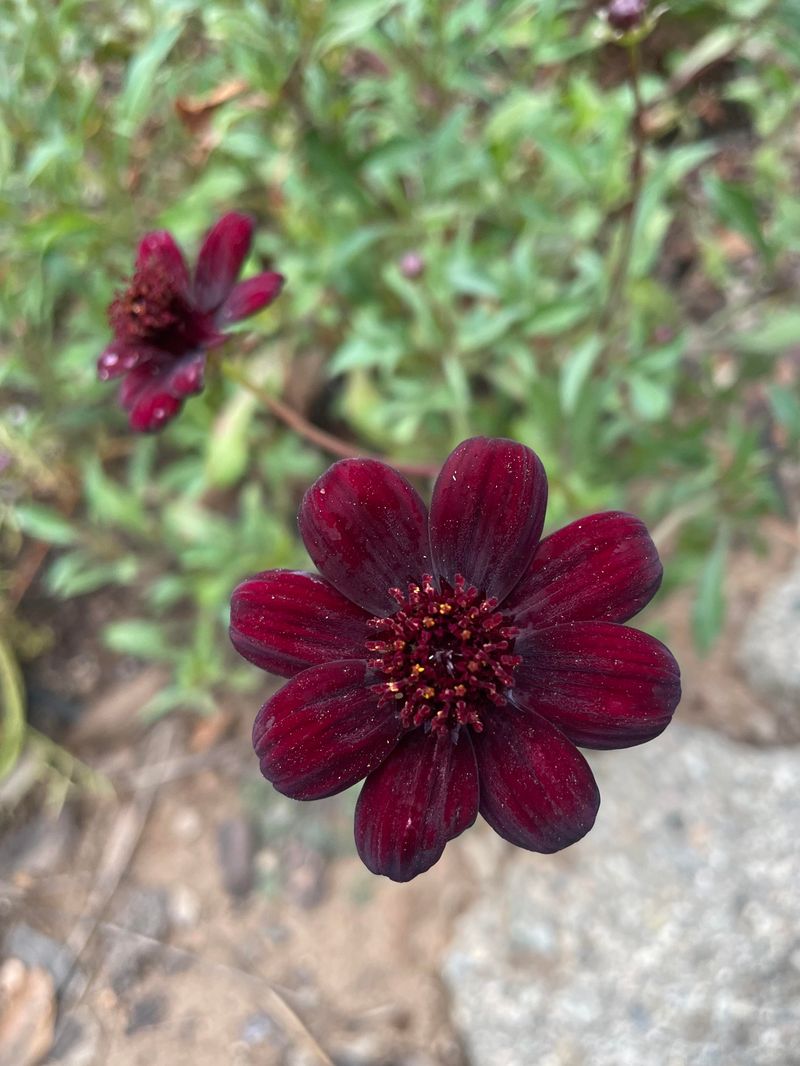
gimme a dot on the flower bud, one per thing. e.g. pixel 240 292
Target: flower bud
pixel 412 265
pixel 626 15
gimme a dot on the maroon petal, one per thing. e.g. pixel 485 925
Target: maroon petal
pixel 537 790
pixel 487 513
pixel 118 358
pixel 425 794
pixel 604 685
pixel 604 567
pixel 186 376
pixel 323 731
pixel 143 394
pixel 160 246
pixel 221 257
pixel 249 296
pixel 285 621
pixel 365 528
pixel 152 411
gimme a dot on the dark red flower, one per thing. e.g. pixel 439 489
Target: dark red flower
pixel 452 658
pixel 165 321
pixel 625 15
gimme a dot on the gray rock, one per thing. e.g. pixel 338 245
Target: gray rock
pixel 41 846
pixel 236 847
pixel 770 654
pixel 141 922
pixel 304 874
pixel 24 942
pixel 146 1013
pixel 669 936
pixel 259 1028
pixel 77 1040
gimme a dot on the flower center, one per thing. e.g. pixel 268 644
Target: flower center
pixel 153 309
pixel 445 654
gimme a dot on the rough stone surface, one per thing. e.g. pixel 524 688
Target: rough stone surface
pixel 236 846
pixel 142 922
pixel 770 653
pixel 77 1040
pixel 37 950
pixel 669 936
pixel 41 846
pixel 146 1013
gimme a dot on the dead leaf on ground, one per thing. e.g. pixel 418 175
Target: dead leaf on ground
pixel 211 730
pixel 194 111
pixel 734 246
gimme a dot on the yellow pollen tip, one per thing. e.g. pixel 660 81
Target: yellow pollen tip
pixel 445 608
pixel 466 634
pixel 393 686
pixel 427 693
pixel 416 669
pixel 428 622
pixel 460 690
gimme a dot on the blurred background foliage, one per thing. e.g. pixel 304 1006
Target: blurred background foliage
pixel 448 187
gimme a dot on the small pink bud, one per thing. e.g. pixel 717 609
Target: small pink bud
pixel 412 265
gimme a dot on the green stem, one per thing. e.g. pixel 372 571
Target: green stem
pixel 326 442
pixel 622 266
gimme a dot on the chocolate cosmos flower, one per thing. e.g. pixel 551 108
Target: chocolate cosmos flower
pixel 165 321
pixel 452 659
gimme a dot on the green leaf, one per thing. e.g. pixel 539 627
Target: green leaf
pixel 111 503
pixel 779 331
pixel 708 611
pixel 12 691
pixel 44 524
pixel 575 372
pixel 649 399
pixel 350 20
pixel 555 318
pixel 786 408
pixel 75 574
pixel 481 328
pixel 136 98
pixel 736 207
pixel 145 640
pixel 227 452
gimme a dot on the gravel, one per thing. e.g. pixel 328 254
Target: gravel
pixel 669 936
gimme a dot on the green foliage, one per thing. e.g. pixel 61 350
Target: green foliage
pixel 494 140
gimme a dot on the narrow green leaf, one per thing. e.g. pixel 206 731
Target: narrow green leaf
pixel 649 399
pixel 575 372
pixel 12 691
pixel 44 524
pixel 786 408
pixel 350 20
pixel 708 612
pixel 736 207
pixel 137 95
pixel 135 636
pixel 779 331
pixel 227 452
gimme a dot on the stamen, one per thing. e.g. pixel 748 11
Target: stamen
pixel 153 310
pixel 446 656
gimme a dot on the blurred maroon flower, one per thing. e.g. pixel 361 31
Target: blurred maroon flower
pixel 452 659
pixel 625 15
pixel 166 321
